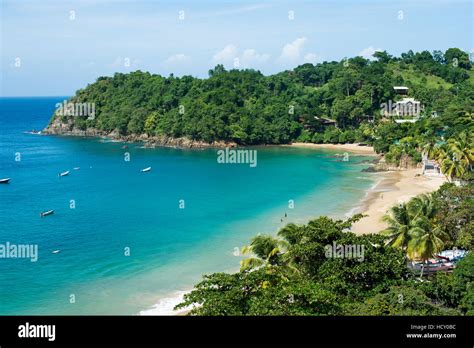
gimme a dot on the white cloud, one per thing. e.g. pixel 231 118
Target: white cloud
pixel 176 59
pixel 251 57
pixel 310 58
pixel 368 52
pixel 233 58
pixel 227 54
pixel 292 51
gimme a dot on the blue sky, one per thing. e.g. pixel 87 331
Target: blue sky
pixel 54 47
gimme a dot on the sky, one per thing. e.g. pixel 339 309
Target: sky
pixel 54 47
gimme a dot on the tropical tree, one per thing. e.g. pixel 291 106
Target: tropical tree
pixel 463 147
pixel 426 241
pixel 413 227
pixel 431 149
pixel 457 156
pixel 422 206
pixel 451 165
pixel 399 226
pixel 267 251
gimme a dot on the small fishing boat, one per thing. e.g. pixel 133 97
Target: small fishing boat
pixel 125 147
pixel 77 168
pixel 4 181
pixel 46 213
pixel 33 131
pixel 64 173
pixel 146 169
pixel 56 251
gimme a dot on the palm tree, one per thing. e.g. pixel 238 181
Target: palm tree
pixel 422 206
pixel 451 166
pixel 290 233
pixel 457 156
pixel 430 149
pixel 462 146
pixel 271 253
pixel 412 227
pixel 399 226
pixel 427 240
pixel 265 248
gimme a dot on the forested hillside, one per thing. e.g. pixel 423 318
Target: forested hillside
pixel 246 107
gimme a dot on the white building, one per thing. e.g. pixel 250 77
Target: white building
pixel 405 110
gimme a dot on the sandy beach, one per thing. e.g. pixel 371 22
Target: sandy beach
pixel 353 148
pixel 393 188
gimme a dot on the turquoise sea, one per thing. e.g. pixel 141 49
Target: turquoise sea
pixel 118 207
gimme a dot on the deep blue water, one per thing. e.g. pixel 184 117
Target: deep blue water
pixel 118 207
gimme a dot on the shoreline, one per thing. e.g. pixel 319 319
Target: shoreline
pixel 56 128
pixel 394 187
pixel 353 148
pixel 389 188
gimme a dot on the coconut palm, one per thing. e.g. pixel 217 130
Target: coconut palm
pixel 426 241
pixel 266 249
pixel 431 150
pixel 462 146
pixel 422 206
pixel 452 166
pixel 271 253
pixel 399 226
pixel 412 227
pixel 290 233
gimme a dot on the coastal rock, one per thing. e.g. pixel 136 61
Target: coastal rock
pixel 66 127
pixel 374 169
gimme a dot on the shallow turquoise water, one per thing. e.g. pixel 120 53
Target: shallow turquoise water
pixel 117 207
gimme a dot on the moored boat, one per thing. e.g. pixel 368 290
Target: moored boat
pixel 46 213
pixel 146 169
pixel 4 181
pixel 64 173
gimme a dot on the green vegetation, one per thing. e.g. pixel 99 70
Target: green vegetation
pixel 248 108
pixel 293 274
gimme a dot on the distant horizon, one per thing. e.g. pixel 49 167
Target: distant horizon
pixel 100 38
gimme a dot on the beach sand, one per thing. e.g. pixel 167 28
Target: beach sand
pixel 392 189
pixel 354 148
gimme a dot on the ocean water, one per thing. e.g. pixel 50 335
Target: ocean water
pixel 109 207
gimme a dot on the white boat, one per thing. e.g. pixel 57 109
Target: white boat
pixel 56 251
pixel 46 213
pixel 77 168
pixel 146 169
pixel 64 173
pixel 4 181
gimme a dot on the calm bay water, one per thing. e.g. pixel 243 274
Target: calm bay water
pixel 118 207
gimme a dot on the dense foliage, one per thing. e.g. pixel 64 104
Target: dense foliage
pixel 247 107
pixel 293 274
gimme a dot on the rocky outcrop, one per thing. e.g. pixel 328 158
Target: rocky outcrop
pixel 381 165
pixel 67 128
